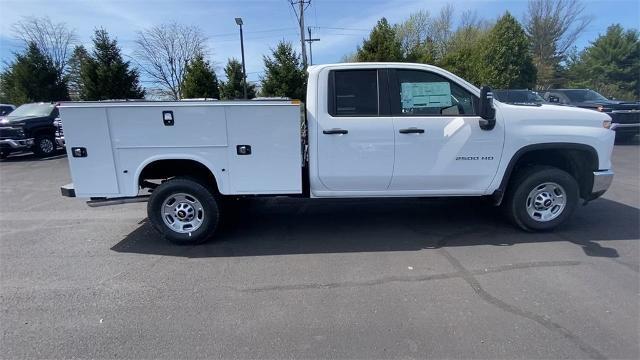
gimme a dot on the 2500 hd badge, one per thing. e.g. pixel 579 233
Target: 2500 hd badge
pixel 474 157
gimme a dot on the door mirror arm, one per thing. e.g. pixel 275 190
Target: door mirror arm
pixel 486 110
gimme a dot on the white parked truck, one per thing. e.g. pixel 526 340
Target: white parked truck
pixel 368 130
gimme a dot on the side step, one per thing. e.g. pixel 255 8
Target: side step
pixel 97 202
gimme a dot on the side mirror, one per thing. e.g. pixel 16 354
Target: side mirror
pixel 486 110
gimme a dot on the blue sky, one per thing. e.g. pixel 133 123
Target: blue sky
pixel 341 25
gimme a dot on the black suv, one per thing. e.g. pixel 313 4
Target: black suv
pixel 625 115
pixel 33 127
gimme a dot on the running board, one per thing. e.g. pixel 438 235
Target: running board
pixel 97 202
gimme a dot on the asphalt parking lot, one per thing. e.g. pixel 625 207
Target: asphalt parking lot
pixel 293 278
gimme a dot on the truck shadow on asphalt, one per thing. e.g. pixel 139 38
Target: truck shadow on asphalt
pixel 261 227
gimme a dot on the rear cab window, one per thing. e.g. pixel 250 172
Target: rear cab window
pixel 354 93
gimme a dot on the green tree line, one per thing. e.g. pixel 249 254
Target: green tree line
pixel 539 54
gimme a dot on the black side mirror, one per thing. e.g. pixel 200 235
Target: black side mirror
pixel 486 109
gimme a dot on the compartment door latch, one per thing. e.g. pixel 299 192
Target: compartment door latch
pixel 167 117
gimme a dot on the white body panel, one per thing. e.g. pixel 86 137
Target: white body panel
pixel 121 138
pixel 360 160
pixel 453 157
pixel 425 164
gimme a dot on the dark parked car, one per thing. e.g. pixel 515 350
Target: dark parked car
pixel 625 115
pixel 518 97
pixel 6 109
pixel 33 127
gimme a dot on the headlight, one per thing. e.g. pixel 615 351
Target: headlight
pixel 606 124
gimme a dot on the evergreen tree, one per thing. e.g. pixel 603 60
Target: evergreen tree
pixel 284 75
pixel 506 61
pixel 32 77
pixel 74 76
pixel 382 44
pixel 464 57
pixel 105 75
pixel 200 81
pixel 610 65
pixel 232 88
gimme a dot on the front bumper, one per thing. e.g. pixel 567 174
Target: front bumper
pixel 626 128
pixel 16 144
pixel 60 141
pixel 602 179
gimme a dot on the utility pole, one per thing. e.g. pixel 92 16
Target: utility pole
pixel 300 15
pixel 244 70
pixel 310 40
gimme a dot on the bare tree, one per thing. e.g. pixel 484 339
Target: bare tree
pixel 55 40
pixel 553 26
pixel 441 30
pixel 163 52
pixel 413 32
pixel 421 33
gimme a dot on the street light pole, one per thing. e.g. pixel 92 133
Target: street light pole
pixel 244 71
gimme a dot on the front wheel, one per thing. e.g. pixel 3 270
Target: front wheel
pixel 541 198
pixel 45 145
pixel 4 154
pixel 184 211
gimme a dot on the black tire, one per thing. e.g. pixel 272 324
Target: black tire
pixel 4 154
pixel 527 180
pixel 171 189
pixel 44 145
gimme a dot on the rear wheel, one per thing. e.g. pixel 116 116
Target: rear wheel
pixel 4 154
pixel 184 211
pixel 44 145
pixel 541 198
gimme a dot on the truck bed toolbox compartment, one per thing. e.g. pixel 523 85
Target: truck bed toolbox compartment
pixel 110 143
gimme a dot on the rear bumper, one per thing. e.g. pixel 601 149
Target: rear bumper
pixel 16 144
pixel 68 190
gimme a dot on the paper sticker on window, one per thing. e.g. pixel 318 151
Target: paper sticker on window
pixel 426 95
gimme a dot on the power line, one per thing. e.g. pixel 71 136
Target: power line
pixel 341 28
pixel 252 32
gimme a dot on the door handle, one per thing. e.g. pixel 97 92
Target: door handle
pixel 412 130
pixel 335 131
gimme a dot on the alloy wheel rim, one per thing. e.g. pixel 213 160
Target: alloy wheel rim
pixel 182 213
pixel 46 145
pixel 546 202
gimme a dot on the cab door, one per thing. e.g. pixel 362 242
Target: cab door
pixel 439 145
pixel 355 132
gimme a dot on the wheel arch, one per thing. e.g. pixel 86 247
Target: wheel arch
pixel 168 166
pixel 42 129
pixel 580 160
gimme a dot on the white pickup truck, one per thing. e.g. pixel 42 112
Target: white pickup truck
pixel 369 130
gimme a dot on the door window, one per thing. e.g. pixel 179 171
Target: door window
pixel 422 93
pixel 355 93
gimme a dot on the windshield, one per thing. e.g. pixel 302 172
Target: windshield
pixel 583 95
pixel 32 110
